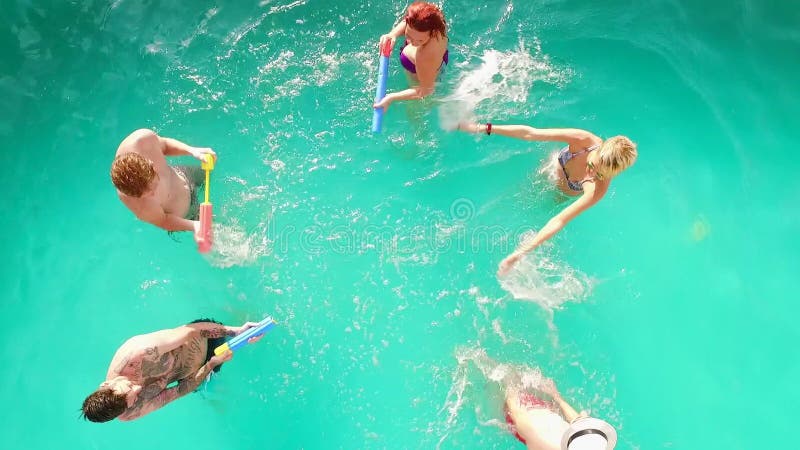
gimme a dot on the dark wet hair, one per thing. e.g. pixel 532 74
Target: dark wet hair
pixel 104 405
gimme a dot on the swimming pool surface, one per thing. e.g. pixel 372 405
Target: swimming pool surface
pixel 669 309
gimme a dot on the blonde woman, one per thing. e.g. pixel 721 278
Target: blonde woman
pixel 586 167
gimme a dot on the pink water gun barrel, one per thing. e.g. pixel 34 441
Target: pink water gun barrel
pixel 204 236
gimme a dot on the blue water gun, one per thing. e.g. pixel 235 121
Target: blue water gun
pixel 240 340
pixel 380 92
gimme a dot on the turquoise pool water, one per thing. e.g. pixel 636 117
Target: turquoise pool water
pixel 669 309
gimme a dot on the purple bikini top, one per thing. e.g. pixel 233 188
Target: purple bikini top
pixel 411 67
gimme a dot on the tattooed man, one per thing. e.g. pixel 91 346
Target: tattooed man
pixel 151 370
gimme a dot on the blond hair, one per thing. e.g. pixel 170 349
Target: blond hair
pixel 615 155
pixel 132 174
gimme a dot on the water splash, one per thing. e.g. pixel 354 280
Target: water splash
pixel 147 284
pixel 501 77
pixel 233 246
pixel 544 281
pixel 506 375
pixel 549 170
pixel 494 378
pixel 453 402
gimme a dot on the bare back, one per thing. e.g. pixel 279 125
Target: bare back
pixel 144 361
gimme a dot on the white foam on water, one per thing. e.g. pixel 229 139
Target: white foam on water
pixel 549 171
pixel 501 77
pixel 493 379
pixel 539 278
pixel 234 246
pixel 147 284
pixel 453 401
pixel 240 32
pixel 282 8
pixel 326 68
pixel 520 377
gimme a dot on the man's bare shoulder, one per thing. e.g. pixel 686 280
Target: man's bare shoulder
pixel 154 338
pixel 141 342
pixel 142 141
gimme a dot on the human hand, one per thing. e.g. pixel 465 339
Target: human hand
pixel 384 38
pixel 246 326
pixel 196 226
pixel 201 152
pixel 255 339
pixel 506 264
pixel 383 103
pixel 216 360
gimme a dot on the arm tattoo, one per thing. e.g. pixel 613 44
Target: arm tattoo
pixel 146 405
pixel 213 333
pixel 150 391
pixel 190 384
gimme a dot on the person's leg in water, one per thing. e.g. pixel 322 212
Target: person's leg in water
pixel 195 178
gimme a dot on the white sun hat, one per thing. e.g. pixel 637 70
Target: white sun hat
pixel 588 433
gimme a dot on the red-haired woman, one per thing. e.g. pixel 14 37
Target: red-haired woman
pixel 424 52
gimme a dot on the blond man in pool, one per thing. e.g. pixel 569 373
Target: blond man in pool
pixel 144 366
pixel 154 191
